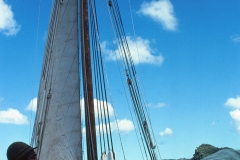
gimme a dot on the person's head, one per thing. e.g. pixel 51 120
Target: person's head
pixel 20 151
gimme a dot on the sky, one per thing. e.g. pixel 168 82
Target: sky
pixel 188 63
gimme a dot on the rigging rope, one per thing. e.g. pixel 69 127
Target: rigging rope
pixel 100 78
pixel 116 120
pixel 123 83
pixel 133 84
pixel 99 74
pixel 126 96
pixel 47 61
pixel 142 74
pixel 34 76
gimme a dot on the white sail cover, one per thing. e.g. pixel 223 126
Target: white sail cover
pixel 57 128
pixel 111 155
pixel 103 156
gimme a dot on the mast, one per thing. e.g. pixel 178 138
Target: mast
pixel 87 84
pixel 57 130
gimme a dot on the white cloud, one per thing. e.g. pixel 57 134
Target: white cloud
pixel 32 106
pixel 13 116
pixel 159 105
pixel 140 49
pixel 8 24
pixel 162 12
pixel 236 38
pixel 98 103
pixel 167 132
pixel 124 126
pixel 236 118
pixel 233 102
pixel 235 113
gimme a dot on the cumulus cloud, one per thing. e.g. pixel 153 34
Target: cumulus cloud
pixel 167 132
pixel 32 106
pixel 159 105
pixel 236 117
pixel 162 12
pixel 108 107
pixel 13 116
pixel 124 126
pixel 233 102
pixel 8 24
pixel 235 113
pixel 236 38
pixel 140 49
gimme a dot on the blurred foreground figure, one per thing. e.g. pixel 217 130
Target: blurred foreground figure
pixel 21 151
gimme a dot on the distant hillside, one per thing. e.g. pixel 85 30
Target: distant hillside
pixel 177 159
pixel 209 152
pixel 230 154
pixel 205 150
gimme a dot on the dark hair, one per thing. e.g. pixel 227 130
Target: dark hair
pixel 18 151
pixel 25 157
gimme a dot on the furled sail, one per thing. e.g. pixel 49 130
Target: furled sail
pixel 57 128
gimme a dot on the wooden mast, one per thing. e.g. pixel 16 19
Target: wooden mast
pixel 87 84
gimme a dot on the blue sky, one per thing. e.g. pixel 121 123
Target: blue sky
pixel 188 66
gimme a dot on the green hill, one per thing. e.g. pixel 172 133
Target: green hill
pixel 204 150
